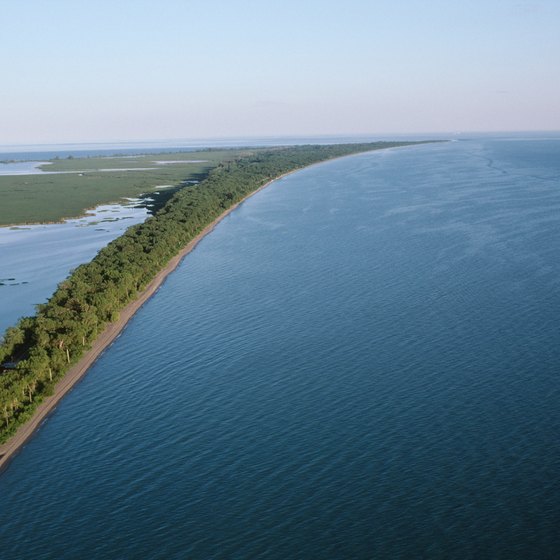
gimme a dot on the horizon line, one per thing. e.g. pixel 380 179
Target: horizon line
pixel 270 137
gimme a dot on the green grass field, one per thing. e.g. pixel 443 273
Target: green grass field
pixel 44 198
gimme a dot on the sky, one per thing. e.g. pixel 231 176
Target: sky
pixel 94 71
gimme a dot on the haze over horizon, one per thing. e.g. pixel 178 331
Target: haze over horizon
pixel 137 71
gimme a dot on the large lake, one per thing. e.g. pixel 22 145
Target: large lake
pixel 360 362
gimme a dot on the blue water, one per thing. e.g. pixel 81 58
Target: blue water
pixel 36 258
pixel 359 362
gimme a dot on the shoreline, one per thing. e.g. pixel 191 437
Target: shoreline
pixel 90 211
pixel 12 447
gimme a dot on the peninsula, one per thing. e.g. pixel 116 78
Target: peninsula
pixel 45 355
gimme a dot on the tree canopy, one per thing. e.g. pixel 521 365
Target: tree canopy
pixel 46 345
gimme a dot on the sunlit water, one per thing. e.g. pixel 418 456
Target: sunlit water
pixel 34 259
pixel 360 362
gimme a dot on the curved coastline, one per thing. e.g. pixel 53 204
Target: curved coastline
pixel 12 447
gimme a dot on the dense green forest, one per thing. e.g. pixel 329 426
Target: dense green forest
pixel 42 348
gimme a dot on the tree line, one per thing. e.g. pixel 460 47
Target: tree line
pixel 42 348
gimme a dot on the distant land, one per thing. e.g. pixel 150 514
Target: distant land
pixel 92 306
pixel 79 177
pixel 72 185
pixel 83 179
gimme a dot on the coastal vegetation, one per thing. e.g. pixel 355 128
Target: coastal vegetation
pixel 71 186
pixel 39 350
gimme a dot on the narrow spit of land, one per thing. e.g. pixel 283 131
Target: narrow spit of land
pixel 90 308
pixel 105 339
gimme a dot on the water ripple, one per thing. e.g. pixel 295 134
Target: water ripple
pixel 361 362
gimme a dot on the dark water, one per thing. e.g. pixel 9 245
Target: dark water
pixel 360 362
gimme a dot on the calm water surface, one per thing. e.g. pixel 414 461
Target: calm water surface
pixel 360 362
pixel 34 259
pixel 22 168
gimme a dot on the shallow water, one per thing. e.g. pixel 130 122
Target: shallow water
pixel 22 168
pixel 359 362
pixel 36 258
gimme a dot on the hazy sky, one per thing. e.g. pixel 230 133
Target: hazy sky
pixel 77 70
